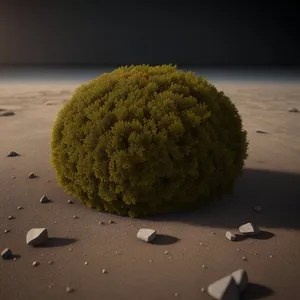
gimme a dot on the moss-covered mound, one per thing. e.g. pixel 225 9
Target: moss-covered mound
pixel 143 140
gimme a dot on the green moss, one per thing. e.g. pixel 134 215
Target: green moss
pixel 143 140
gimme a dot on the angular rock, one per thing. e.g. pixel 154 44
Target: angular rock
pixel 44 199
pixel 6 254
pixel 249 229
pixel 241 279
pixel 32 175
pixel 230 236
pixel 35 264
pixel 12 154
pixel 262 132
pixel 224 289
pixel 294 109
pixel 37 236
pixel 146 235
pixel 7 113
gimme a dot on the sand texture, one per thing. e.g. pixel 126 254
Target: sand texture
pixel 190 250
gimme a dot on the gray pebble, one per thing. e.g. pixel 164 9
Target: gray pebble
pixel 6 253
pixel 293 109
pixel 104 271
pixel 69 289
pixel 20 207
pixel 12 154
pixel 32 175
pixel 11 217
pixel 44 199
pixel 230 236
pixel 70 202
pixel 35 264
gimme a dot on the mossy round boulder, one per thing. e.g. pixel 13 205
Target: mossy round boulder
pixel 148 139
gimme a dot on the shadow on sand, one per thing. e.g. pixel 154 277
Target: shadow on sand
pixel 163 239
pixel 278 194
pixel 57 242
pixel 256 291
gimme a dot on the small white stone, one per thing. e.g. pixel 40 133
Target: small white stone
pixel 10 217
pixel 20 207
pixel 75 217
pixel 146 235
pixel 224 289
pixel 245 258
pixel 69 289
pixel 44 199
pixel 31 175
pixel 249 229
pixel 166 252
pixel 37 236
pixel 230 236
pixel 104 271
pixel 70 202
pixel 35 264
pixel 86 263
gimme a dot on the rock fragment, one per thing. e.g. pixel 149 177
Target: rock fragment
pixel 35 264
pixel 6 113
pixel 12 154
pixel 230 236
pixel 69 289
pixel 241 279
pixel 146 235
pixel 37 236
pixel 32 175
pixel 44 199
pixel 224 289
pixel 70 202
pixel 6 253
pixel 11 217
pixel 262 132
pixel 293 109
pixel 249 229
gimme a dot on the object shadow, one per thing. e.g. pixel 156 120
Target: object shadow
pixel 163 239
pixel 256 291
pixel 278 194
pixel 57 242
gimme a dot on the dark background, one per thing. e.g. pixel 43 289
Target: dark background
pixel 219 33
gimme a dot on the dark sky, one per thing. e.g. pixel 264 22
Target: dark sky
pixel 152 32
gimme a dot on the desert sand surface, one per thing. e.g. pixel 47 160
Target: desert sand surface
pixel 190 251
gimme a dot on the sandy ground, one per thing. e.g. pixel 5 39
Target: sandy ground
pixel 138 270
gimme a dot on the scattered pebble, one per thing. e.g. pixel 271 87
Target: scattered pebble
pixel 111 222
pixel 230 236
pixel 35 264
pixel 11 217
pixel 32 175
pixel 6 231
pixel 86 263
pixel 44 199
pixel 6 253
pixel 104 271
pixel 203 290
pixel 166 252
pixel 12 154
pixel 37 236
pixel 20 207
pixel 101 223
pixel 257 208
pixel 150 260
pixel 7 113
pixel 260 131
pixel 245 258
pixel 176 294
pixel 69 289
pixel 15 258
pixel 238 249
pixel 13 177
pixel 75 217
pixel 70 202
pixel 271 256
pixel 146 235
pixel 249 229
pixel 50 262
pixel 203 267
pixel 293 109
pixel 224 289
